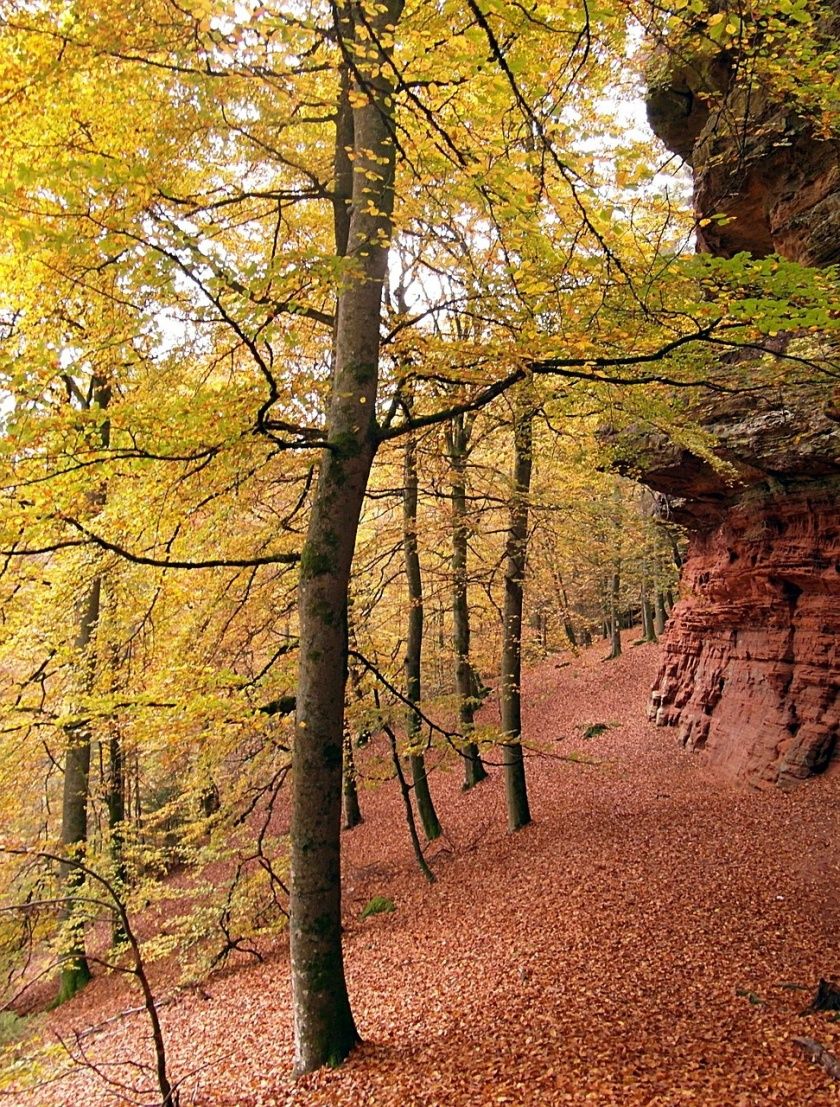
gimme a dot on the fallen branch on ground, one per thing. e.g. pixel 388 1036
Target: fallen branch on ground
pixel 820 1055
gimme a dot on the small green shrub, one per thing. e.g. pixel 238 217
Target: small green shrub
pixel 595 729
pixel 378 905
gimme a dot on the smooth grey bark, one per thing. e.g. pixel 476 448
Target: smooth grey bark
pixel 324 1029
pixel 75 971
pixel 510 677
pixel 457 443
pixel 414 644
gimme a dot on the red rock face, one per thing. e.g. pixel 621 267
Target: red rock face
pixel 755 160
pixel 751 665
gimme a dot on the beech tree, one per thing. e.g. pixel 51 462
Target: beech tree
pixel 414 644
pixel 210 241
pixel 324 1026
pixel 510 678
pixel 458 449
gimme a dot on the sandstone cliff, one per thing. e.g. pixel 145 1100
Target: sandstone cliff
pixel 751 663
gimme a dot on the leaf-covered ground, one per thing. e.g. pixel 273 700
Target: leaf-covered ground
pixel 651 939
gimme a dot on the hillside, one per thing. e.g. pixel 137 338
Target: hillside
pixel 650 939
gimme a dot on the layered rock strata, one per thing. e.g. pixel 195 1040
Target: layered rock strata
pixel 751 661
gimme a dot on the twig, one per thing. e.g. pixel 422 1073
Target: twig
pixel 122 1015
pixel 405 790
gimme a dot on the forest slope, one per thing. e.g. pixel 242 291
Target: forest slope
pixel 638 944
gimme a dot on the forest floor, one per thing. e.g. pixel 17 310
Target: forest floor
pixel 650 940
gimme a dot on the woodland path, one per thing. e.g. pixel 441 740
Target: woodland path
pixel 635 946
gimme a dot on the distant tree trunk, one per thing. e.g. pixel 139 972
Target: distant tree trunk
pixel 675 550
pixel 211 801
pixel 115 801
pixel 116 788
pixel 351 812
pixel 660 616
pixel 116 793
pixel 457 447
pixel 510 693
pixel 562 595
pixel 615 614
pixel 75 971
pixel 137 814
pixel 648 631
pixel 405 792
pixel 414 644
pixel 569 631
pixel 324 1028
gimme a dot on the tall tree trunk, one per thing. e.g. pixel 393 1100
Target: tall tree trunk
pixel 115 800
pixel 510 682
pixel 615 614
pixel 457 436
pixel 414 644
pixel 115 792
pixel 75 971
pixel 137 813
pixel 351 813
pixel 324 1028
